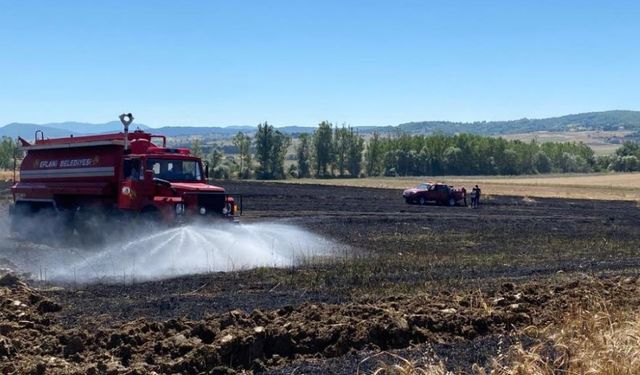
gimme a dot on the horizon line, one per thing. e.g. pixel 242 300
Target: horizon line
pixel 311 126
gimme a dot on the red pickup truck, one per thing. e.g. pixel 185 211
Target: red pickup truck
pixel 438 193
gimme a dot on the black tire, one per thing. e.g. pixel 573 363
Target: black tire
pixel 452 201
pixel 422 201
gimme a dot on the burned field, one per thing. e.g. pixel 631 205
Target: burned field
pixel 427 283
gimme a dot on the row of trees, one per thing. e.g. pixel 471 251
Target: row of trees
pixel 468 154
pixel 327 152
pixel 339 151
pixel 261 157
pixel 330 151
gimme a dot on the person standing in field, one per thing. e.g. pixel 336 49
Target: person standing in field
pixel 477 191
pixel 474 196
pixel 464 196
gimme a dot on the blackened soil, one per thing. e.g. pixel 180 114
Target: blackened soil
pixel 457 328
pixel 411 284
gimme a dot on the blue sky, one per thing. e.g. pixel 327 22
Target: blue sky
pixel 300 62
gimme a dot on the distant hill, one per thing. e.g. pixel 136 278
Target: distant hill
pixel 27 131
pixel 608 120
pixel 85 128
pixel 62 129
pixel 177 131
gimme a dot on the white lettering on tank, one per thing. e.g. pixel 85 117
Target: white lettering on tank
pixel 49 164
pixel 65 163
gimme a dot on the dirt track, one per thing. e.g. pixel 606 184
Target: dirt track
pixel 448 279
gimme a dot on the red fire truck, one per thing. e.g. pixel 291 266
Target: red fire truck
pixel 126 174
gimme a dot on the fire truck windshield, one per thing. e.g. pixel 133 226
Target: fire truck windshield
pixel 175 170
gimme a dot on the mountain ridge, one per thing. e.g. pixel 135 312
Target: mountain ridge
pixel 603 120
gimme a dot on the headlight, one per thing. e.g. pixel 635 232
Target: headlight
pixel 180 209
pixel 203 210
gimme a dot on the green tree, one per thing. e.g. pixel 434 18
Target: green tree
pixel 509 163
pixel 630 163
pixel 374 156
pixel 406 162
pixel 271 149
pixel 628 149
pixel 8 148
pixel 323 148
pixel 340 149
pixel 281 143
pixel 219 166
pixel 453 158
pixel 355 147
pixel 391 158
pixel 303 156
pixel 243 143
pixel 196 147
pixel 292 171
pixel 626 163
pixel 541 162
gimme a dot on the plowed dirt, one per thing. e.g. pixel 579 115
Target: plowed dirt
pixel 451 282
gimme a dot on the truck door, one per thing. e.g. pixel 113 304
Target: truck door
pixel 431 194
pixel 133 193
pixel 442 193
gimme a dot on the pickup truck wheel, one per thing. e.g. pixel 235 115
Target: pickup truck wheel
pixel 422 201
pixel 452 201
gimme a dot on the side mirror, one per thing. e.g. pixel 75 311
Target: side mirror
pixel 206 170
